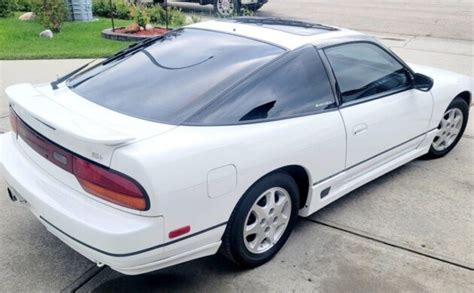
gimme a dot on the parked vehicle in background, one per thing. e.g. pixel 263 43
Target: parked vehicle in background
pixel 240 126
pixel 226 7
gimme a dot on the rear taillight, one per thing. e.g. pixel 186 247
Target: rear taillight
pixel 13 121
pixel 108 184
pixel 97 180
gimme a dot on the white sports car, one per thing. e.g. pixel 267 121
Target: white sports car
pixel 217 136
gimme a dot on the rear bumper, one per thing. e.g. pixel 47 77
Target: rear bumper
pixel 128 243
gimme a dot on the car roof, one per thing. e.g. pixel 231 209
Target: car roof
pixel 289 34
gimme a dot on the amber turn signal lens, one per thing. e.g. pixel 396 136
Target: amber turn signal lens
pixel 109 185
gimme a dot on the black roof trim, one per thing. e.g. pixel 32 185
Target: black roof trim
pixel 280 21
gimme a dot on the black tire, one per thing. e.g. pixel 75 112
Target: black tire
pixel 254 7
pixel 457 103
pixel 235 11
pixel 233 245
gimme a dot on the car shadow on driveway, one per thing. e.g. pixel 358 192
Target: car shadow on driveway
pixel 183 277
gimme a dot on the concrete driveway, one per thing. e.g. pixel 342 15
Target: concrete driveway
pixel 411 230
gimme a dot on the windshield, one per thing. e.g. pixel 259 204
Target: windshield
pixel 174 77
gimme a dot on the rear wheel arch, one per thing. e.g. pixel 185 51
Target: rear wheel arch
pixel 299 174
pixel 233 245
pixel 466 96
pixel 302 179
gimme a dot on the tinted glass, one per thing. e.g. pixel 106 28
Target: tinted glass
pixel 297 84
pixel 364 69
pixel 174 77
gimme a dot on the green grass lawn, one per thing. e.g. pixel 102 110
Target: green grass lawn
pixel 20 40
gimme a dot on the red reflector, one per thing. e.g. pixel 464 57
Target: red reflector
pixel 179 232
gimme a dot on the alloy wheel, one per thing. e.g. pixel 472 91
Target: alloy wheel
pixel 449 129
pixel 225 7
pixel 267 220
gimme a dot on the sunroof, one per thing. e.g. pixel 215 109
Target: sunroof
pixel 289 26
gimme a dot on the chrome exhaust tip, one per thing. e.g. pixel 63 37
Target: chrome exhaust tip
pixel 11 195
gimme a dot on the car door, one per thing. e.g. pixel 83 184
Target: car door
pixel 383 114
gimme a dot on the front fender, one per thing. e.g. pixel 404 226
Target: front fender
pixel 447 85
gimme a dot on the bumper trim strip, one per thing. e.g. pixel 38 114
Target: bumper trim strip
pixel 135 252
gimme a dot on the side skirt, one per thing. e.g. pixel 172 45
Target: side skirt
pixel 347 181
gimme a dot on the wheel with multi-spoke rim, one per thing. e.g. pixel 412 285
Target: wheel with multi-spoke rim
pixel 450 129
pixel 267 220
pixel 262 220
pixel 227 7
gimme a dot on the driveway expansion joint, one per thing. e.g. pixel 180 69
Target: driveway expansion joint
pixel 463 266
pixel 83 279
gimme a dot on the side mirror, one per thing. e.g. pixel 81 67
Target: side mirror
pixel 422 82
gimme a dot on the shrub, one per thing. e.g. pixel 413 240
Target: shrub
pixel 100 8
pixel 24 5
pixel 120 8
pixel 50 13
pixel 177 17
pixel 195 19
pixel 6 7
pixel 246 12
pixel 156 14
pixel 174 18
pixel 140 15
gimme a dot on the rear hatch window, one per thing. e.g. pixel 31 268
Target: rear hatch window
pixel 174 77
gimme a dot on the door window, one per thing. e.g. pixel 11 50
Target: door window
pixel 363 70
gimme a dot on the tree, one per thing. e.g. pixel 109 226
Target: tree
pixel 51 13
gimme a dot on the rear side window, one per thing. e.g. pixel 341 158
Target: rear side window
pixel 296 84
pixel 363 70
pixel 171 79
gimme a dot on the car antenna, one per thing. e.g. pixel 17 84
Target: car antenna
pixel 55 83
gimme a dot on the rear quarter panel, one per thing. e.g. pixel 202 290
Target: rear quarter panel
pixel 174 167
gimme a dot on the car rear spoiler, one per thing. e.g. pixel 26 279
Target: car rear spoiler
pixel 26 100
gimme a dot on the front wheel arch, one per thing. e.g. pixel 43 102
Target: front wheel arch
pixel 459 103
